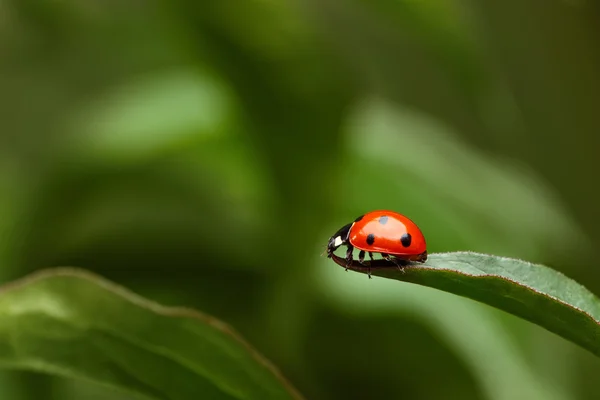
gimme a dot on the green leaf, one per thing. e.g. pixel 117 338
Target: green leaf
pixel 531 291
pixel 475 332
pixel 74 324
pixel 153 115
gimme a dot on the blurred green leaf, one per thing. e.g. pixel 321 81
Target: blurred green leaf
pixel 531 291
pixel 74 324
pixel 154 113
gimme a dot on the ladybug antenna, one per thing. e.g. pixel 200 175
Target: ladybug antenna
pixel 324 252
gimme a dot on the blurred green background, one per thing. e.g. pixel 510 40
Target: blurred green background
pixel 201 153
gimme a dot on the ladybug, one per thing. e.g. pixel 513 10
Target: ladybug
pixel 393 235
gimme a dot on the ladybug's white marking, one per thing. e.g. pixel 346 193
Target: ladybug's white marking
pixel 338 241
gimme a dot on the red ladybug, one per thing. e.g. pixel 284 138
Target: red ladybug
pixel 393 235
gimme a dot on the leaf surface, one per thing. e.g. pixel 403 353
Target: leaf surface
pixel 74 324
pixel 534 292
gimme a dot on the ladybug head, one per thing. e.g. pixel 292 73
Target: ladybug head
pixel 338 239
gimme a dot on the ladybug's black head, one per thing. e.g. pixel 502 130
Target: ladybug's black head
pixel 338 239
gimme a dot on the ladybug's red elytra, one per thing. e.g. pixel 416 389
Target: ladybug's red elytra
pixel 393 235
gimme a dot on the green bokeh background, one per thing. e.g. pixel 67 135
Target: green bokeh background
pixel 201 153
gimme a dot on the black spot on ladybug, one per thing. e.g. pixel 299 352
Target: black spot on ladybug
pixel 383 219
pixel 370 239
pixel 406 239
pixel 359 218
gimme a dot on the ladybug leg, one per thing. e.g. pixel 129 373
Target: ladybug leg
pixel 371 257
pixel 361 257
pixel 387 257
pixel 401 264
pixel 361 260
pixel 349 256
